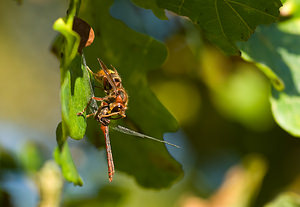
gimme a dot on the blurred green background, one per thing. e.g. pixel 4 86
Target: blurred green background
pixel 233 153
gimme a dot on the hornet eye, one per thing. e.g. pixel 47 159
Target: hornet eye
pixel 117 80
pixel 116 108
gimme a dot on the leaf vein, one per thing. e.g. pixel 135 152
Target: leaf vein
pixel 240 17
pixel 219 20
pixel 255 9
pixel 180 6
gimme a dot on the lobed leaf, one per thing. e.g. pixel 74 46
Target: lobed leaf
pixel 74 92
pixel 63 157
pixel 276 48
pixel 224 22
pixel 74 77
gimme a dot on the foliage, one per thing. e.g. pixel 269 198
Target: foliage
pixel 229 108
pixel 220 102
pixel 74 93
pixel 149 54
pixel 222 22
pixel 225 22
pixel 275 47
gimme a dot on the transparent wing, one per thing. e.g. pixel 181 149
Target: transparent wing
pixel 93 104
pixel 137 134
pixel 108 76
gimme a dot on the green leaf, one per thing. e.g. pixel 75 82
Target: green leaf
pixel 63 157
pixel 72 39
pixel 276 48
pixel 285 200
pixel 151 4
pixel 71 43
pixel 133 54
pixel 224 22
pixel 74 77
pixel 75 93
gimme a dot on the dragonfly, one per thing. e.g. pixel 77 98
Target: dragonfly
pixel 112 106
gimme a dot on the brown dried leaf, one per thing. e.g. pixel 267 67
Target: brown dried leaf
pixel 85 32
